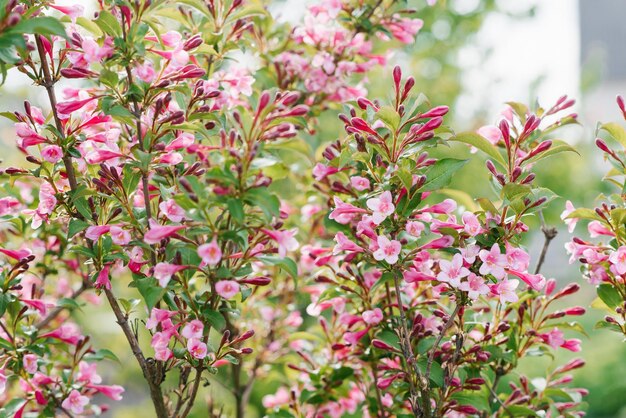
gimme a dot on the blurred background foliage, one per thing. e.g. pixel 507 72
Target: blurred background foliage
pixel 435 62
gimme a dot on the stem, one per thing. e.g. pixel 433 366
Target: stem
pixel 447 325
pixel 49 85
pixel 193 393
pixel 548 233
pixel 410 358
pixel 148 370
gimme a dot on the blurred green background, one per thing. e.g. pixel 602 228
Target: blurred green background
pixel 472 55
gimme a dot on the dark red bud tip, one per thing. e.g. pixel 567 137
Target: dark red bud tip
pixel 436 111
pixel 603 146
pixel 397 75
pixel 382 345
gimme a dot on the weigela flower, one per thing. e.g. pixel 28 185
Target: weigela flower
pixel 210 253
pixel 388 250
pixel 382 207
pixel 227 288
pixel 75 402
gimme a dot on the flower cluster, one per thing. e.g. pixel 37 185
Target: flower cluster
pixel 419 299
pixel 604 262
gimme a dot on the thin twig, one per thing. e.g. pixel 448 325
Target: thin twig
pixel 148 371
pixel 446 326
pixel 549 234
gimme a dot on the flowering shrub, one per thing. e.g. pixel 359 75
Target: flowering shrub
pixel 159 163
pixel 604 264
pixel 421 312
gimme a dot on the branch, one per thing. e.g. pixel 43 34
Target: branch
pixel 49 85
pixel 447 325
pixel 148 370
pixel 409 356
pixel 549 234
pixel 193 393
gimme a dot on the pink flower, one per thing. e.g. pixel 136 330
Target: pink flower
pixel 95 232
pixel 344 212
pixel 103 278
pixel 493 262
pixel 52 153
pixel 193 329
pixel 344 244
pixel 184 140
pixel 158 232
pixel 30 363
pixel 517 258
pixel 555 339
pixel 113 392
pixel 66 108
pixel 618 259
pixel 470 253
pixel 570 222
pixel 119 236
pixel 158 316
pixel 171 210
pixel 163 272
pixel 9 205
pixel 452 271
pixel 145 72
pixel 210 253
pixel 73 11
pixel 196 348
pixel 404 29
pixel 596 229
pixel 535 281
pixel 414 228
pixel 372 317
pixel 471 224
pixel 491 133
pixel 321 171
pixel 75 402
pixel 227 288
pixel 101 155
pixel 281 397
pixel 87 373
pixel 474 286
pixel 27 136
pixel 359 183
pixel 506 290
pixel 284 239
pixel 387 250
pixel 381 207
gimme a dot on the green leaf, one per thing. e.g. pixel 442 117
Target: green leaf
pixel 617 131
pixel 286 263
pixel 584 213
pixel 436 372
pixel 76 226
pixel 389 116
pixel 149 289
pixel 609 295
pixel 440 174
pixel 267 202
pixel 235 209
pixel 68 303
pixel 477 399
pixel 214 318
pixel 556 148
pixel 520 411
pixel 108 23
pixel 476 140
pixel 41 25
pixel 513 191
